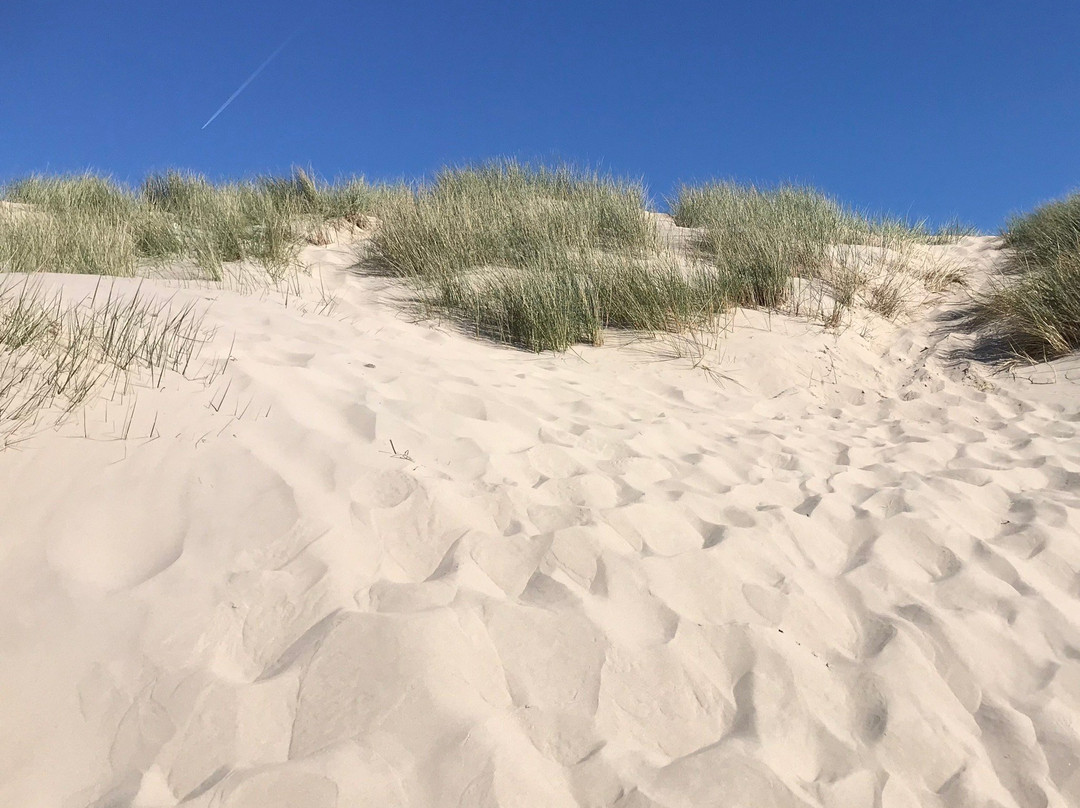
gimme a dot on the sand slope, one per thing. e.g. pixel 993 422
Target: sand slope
pixel 832 570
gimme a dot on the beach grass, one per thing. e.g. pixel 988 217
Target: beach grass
pixel 560 302
pixel 762 239
pixel 1046 233
pixel 91 224
pixel 1034 306
pixel 506 214
pixel 545 257
pixel 536 256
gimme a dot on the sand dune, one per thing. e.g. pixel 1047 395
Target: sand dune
pixel 790 567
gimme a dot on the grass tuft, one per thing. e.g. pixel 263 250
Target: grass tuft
pixel 1035 305
pixel 535 256
pixel 505 214
pixel 91 224
pixel 54 356
pixel 77 223
pixel 1047 233
pixel 548 257
pixel 766 241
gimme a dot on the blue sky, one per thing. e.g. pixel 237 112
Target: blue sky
pixel 918 108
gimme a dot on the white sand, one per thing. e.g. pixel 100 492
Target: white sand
pixel 829 571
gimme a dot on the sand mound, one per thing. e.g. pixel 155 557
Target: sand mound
pixel 379 563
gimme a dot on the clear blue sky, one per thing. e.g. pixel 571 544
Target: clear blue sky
pixel 920 108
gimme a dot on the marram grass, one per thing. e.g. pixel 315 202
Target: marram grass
pixel 505 214
pixel 1035 306
pixel 91 224
pixel 548 257
pixel 763 238
pixel 537 256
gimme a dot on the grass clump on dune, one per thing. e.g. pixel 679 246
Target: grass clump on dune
pixel 508 215
pixel 91 224
pixel 184 216
pixel 548 257
pixel 67 224
pixel 566 301
pixel 351 199
pixel 1048 232
pixel 1035 308
pixel 538 257
pixel 759 239
pixel 764 241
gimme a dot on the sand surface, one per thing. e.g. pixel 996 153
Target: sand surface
pixel 774 568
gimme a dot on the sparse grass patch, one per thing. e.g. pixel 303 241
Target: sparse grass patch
pixel 350 199
pixel 949 233
pixel 55 355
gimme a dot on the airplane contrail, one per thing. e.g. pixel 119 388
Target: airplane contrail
pixel 250 79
